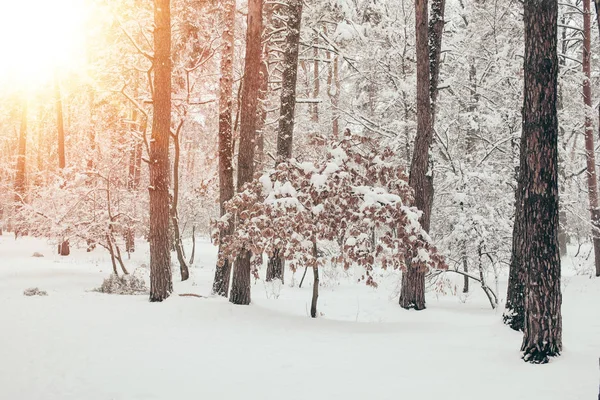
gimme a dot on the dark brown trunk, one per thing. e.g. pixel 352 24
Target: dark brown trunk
pixel 240 288
pixel 59 124
pixel 539 174
pixel 275 267
pixel 63 248
pixel 315 291
pixel 289 78
pixel 285 134
pixel 226 189
pixel 412 293
pixel 592 180
pixel 466 278
pixel 436 30
pixel 335 96
pixel 161 281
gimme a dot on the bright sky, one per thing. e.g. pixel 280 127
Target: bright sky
pixel 39 36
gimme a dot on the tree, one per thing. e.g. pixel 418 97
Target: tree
pixel 226 189
pixel 298 207
pixel 285 134
pixel 21 157
pixel 539 177
pixel 240 287
pixel 161 281
pixel 412 293
pixel 592 179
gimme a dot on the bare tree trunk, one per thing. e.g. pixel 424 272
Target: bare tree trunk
pixel 543 321
pixel 161 281
pixel 21 157
pixel 59 124
pixel 412 294
pixel 316 81
pixel 315 292
pixel 183 265
pixel 335 96
pixel 285 134
pixel 226 189
pixel 592 180
pixel 240 287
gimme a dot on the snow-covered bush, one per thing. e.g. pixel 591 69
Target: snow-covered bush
pixel 124 284
pixel 356 199
pixel 34 292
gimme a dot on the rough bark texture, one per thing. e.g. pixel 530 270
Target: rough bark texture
pixel 285 134
pixel 161 281
pixel 539 174
pixel 412 293
pixel 226 189
pixel 240 287
pixel 289 77
pixel 436 30
pixel 60 126
pixel 592 181
pixel 514 314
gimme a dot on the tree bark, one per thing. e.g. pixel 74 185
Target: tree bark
pixel 412 293
pixel 592 180
pixel 59 124
pixel 543 321
pixel 21 157
pixel 240 287
pixel 183 265
pixel 315 292
pixel 161 281
pixel 285 134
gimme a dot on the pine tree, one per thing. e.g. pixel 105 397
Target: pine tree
pixel 161 281
pixel 539 177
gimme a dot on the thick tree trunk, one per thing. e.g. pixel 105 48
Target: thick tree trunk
pixel 539 174
pixel 240 287
pixel 285 134
pixel 59 124
pixel 592 180
pixel 161 281
pixel 315 291
pixel 436 30
pixel 412 294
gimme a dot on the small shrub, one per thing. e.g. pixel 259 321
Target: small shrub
pixel 125 285
pixel 37 254
pixel 34 292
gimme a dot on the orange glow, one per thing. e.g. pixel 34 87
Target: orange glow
pixel 39 37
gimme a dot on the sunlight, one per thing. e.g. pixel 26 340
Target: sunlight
pixel 39 37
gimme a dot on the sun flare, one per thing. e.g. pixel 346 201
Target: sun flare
pixel 40 38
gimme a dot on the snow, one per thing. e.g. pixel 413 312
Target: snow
pixel 78 344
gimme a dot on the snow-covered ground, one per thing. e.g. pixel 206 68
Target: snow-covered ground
pixel 79 344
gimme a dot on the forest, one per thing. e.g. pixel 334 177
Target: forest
pixel 299 199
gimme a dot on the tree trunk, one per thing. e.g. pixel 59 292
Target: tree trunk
pixel 161 281
pixel 226 190
pixel 289 78
pixel 539 174
pixel 436 30
pixel 412 294
pixel 315 292
pixel 183 265
pixel 59 124
pixel 21 157
pixel 335 96
pixel 592 181
pixel 466 278
pixel 240 288
pixel 316 81
pixel 275 267
pixel 285 134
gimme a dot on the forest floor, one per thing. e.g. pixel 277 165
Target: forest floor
pixel 79 344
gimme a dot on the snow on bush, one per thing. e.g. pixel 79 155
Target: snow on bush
pixel 124 284
pixel 35 292
pixel 357 198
